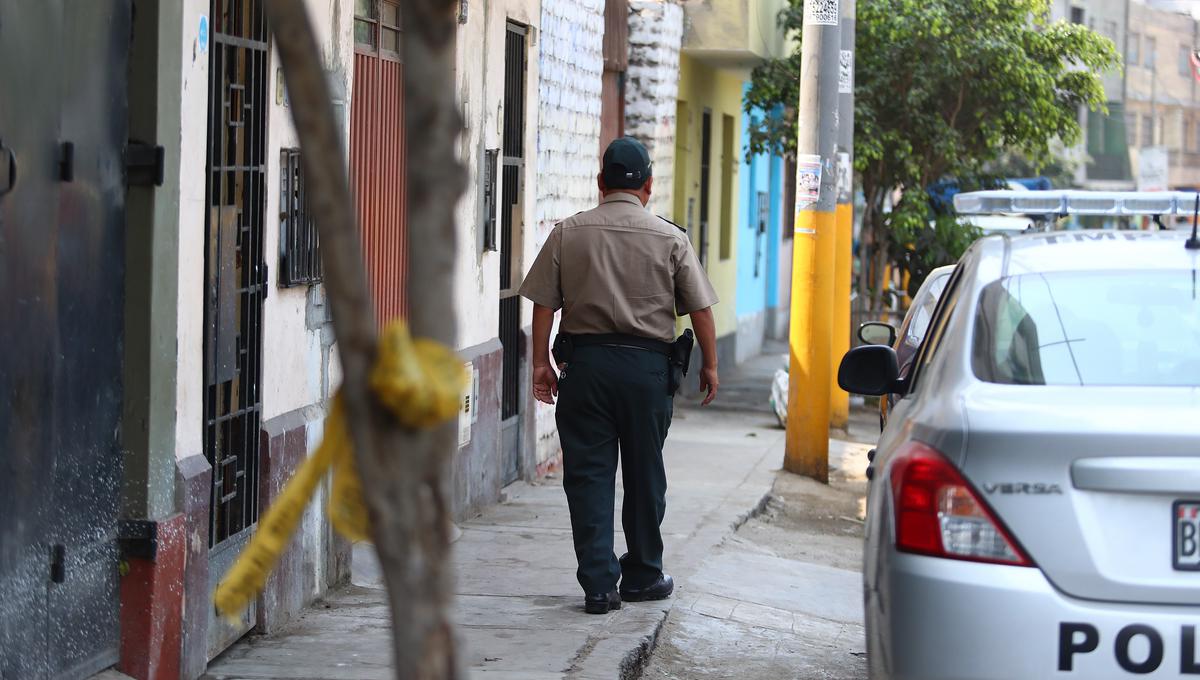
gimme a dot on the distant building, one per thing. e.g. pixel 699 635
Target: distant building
pixel 1163 95
pixel 1152 102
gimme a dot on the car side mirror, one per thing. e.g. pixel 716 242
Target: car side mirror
pixel 872 370
pixel 876 333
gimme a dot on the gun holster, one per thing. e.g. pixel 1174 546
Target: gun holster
pixel 681 359
pixel 562 349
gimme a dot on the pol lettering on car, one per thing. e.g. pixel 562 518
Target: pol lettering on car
pixel 1076 639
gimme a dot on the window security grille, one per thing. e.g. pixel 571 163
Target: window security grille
pixel 299 244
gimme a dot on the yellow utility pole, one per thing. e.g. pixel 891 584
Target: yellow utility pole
pixel 810 333
pixel 839 412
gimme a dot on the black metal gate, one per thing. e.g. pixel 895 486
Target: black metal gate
pixel 63 131
pixel 510 303
pixel 235 283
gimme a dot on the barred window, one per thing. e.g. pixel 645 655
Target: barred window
pixel 299 245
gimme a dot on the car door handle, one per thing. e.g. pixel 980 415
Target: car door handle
pixel 1137 474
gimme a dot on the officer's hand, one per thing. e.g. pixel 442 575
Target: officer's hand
pixel 545 384
pixel 709 381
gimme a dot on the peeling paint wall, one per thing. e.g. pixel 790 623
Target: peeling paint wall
pixel 655 37
pixel 479 82
pixel 297 333
pixel 190 138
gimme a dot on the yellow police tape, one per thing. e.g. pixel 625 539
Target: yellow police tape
pixel 420 382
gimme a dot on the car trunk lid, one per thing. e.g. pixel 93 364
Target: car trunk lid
pixel 1091 482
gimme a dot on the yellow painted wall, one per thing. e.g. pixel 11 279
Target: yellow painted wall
pixel 718 90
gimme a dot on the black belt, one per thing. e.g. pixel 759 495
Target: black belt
pixel 622 340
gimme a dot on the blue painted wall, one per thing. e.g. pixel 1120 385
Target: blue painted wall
pixel 775 230
pixel 758 253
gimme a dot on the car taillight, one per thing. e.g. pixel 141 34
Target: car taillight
pixel 938 513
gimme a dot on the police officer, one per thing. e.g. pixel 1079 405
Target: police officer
pixel 620 275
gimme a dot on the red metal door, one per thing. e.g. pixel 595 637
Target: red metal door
pixel 378 155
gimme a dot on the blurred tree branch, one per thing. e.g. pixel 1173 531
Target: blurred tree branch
pixel 404 473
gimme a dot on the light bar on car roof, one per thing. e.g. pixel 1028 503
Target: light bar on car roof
pixel 1075 202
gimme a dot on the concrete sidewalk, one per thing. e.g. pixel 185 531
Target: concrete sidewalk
pixel 519 610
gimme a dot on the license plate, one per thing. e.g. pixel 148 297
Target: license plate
pixel 1185 521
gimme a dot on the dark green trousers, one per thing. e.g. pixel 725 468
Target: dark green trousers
pixel 614 402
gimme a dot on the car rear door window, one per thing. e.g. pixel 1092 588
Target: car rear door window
pixel 923 312
pixel 937 326
pixel 1134 328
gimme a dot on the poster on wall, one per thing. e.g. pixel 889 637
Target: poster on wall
pixel 808 180
pixel 1153 164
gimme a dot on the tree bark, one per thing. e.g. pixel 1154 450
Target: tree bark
pixel 404 473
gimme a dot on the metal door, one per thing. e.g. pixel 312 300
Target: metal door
pixel 63 130
pixel 378 155
pixel 510 224
pixel 235 283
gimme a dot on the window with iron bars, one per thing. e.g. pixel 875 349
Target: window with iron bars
pixel 299 244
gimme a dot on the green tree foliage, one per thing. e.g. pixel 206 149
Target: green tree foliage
pixel 943 89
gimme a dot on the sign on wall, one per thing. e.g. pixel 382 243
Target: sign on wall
pixel 1152 168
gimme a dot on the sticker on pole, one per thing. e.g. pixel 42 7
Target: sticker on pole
pixel 846 72
pixel 808 185
pixel 845 178
pixel 821 12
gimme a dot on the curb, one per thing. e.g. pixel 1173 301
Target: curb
pixel 635 660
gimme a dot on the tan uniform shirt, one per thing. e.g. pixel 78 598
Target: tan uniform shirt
pixel 618 268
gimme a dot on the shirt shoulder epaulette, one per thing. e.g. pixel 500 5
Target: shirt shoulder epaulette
pixel 671 223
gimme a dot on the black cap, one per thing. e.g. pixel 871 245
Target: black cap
pixel 626 164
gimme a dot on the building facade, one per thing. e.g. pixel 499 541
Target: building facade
pixel 226 356
pixel 186 229
pixel 497 67
pixel 1163 98
pixel 532 80
pixel 1148 139
pixel 1102 157
pixel 717 189
pixel 762 240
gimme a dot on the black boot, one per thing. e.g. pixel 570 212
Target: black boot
pixel 659 590
pixel 601 603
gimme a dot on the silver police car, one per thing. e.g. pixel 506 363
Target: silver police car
pixel 1034 509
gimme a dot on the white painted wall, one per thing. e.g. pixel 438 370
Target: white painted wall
pixel 294 366
pixel 655 37
pixel 568 139
pixel 479 76
pixel 190 139
pixel 295 370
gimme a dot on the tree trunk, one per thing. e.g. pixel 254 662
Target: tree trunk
pixel 873 236
pixel 866 250
pixel 404 473
pixel 881 262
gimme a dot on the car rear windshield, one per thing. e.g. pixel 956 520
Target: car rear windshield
pixel 1090 328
